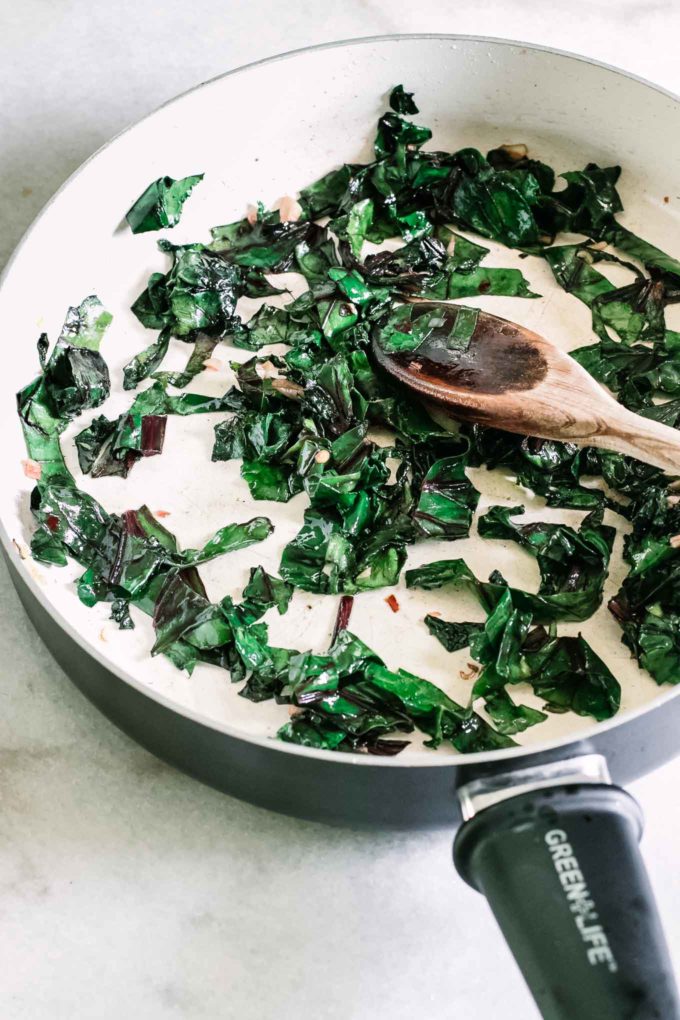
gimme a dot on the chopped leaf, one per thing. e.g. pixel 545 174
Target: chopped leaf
pixel 198 294
pixel 355 225
pixel 363 550
pixel 125 552
pixel 508 717
pixel 448 499
pixel 395 133
pixel 350 701
pixel 497 203
pixel 453 636
pixel 323 198
pixel 267 244
pixel 563 670
pixel 229 539
pixel 402 102
pixel 112 447
pixel 263 592
pixel 161 204
pixel 551 469
pixel 202 351
pixel 144 363
pixel 571 563
pixel 567 673
pixel 435 713
pixel 74 378
pixel 409 327
pixel 561 605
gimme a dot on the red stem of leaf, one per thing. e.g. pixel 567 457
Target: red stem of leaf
pixel 344 613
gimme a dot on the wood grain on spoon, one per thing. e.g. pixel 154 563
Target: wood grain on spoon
pixel 514 379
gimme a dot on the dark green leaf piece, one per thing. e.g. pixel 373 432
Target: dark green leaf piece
pixel 348 700
pixel 563 670
pixel 448 499
pixel 354 226
pixel 402 102
pixel 408 327
pixel 498 204
pixel 573 564
pixel 453 636
pixel 112 447
pixel 262 592
pixel 395 133
pixel 202 351
pixel 146 362
pixel 569 676
pixel 268 244
pixel 646 606
pixel 74 379
pixel 197 295
pixel 161 204
pixel 508 717
pixel 552 470
pixel 323 198
pixel 563 605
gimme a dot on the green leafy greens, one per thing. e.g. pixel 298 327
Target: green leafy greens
pixel 161 204
pixel 309 417
pixel 573 564
pixel 349 700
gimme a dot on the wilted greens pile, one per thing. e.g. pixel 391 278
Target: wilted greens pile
pixel 302 421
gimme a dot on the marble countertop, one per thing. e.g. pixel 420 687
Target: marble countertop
pixel 127 889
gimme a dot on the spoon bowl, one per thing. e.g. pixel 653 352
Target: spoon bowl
pixel 506 376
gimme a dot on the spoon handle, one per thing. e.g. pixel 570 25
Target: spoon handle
pixel 643 438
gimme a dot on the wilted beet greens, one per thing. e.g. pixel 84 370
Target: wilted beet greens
pixel 302 420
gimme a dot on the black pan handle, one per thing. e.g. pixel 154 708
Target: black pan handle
pixel 562 871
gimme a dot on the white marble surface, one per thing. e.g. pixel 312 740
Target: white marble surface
pixel 126 889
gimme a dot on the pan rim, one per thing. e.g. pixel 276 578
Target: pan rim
pixel 346 758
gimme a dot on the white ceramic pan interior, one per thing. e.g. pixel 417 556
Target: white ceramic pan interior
pixel 262 133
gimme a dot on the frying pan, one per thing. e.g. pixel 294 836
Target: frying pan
pixel 546 833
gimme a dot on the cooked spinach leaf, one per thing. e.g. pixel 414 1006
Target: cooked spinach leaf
pixel 564 671
pixel 112 447
pixel 74 379
pixel 161 204
pixel 349 700
pixel 646 606
pixel 123 553
pixel 497 203
pixel 561 605
pixel 144 363
pixel 359 546
pixel 568 675
pixel 263 592
pixel 550 469
pixel 571 562
pixel 447 500
pixel 401 101
pixel 408 327
pixel 508 716
pixel 636 355
pixel 453 636
pixel 75 376
pixel 197 295
pixel 202 351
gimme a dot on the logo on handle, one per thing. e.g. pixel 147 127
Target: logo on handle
pixel 580 900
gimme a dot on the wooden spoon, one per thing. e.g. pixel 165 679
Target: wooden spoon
pixel 513 379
